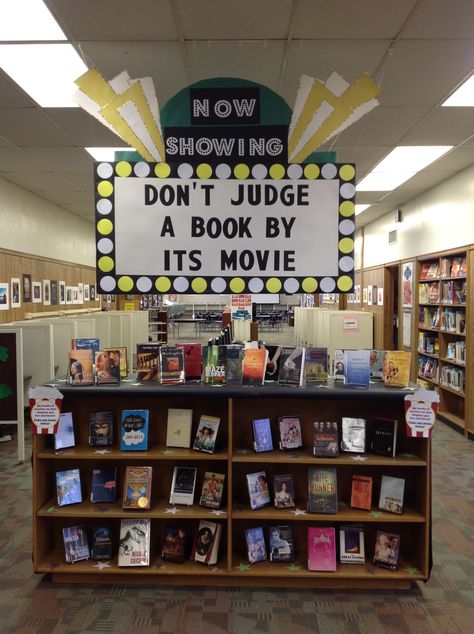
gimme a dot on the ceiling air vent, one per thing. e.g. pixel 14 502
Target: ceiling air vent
pixel 392 236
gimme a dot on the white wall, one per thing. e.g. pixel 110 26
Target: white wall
pixel 30 224
pixel 441 218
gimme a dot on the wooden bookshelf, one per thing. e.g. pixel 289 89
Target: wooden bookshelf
pixel 157 325
pixel 236 406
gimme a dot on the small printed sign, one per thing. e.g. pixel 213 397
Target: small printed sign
pixel 45 409
pixel 420 413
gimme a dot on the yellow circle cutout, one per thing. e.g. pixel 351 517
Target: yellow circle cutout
pixel 309 285
pixel 104 227
pixel 347 172
pixel 162 284
pixel 125 284
pixel 277 171
pixel 162 170
pixel 204 170
pixel 199 285
pixel 241 171
pixel 344 283
pixel 311 171
pixel 347 208
pixel 237 285
pixel 105 264
pixel 123 169
pixel 273 285
pixel 105 188
pixel 346 245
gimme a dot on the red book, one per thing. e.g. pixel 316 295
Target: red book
pixel 361 497
pixel 321 548
pixel 192 361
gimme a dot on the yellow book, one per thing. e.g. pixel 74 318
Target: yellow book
pixel 396 368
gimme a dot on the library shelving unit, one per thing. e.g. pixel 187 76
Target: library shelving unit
pixel 236 406
pixel 157 325
pixel 442 332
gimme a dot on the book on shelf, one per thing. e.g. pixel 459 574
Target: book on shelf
pixel 76 543
pixel 291 366
pixel 101 543
pixel 361 492
pixel 315 365
pixel 428 368
pixel 134 543
pixel 171 365
pixel 206 543
pixel 351 544
pixel 433 271
pixel 452 377
pixel 338 365
pixel 254 364
pixel 290 432
pixel 384 437
pixel 392 492
pixel 148 362
pixel 463 271
pixel 425 267
pixel 183 485
pixel 101 429
pixel 214 363
pixel 322 548
pixel 137 487
pixel 357 368
pixel 262 434
pixel 68 487
pixel 119 356
pixel 284 491
pixel 376 365
pixel 353 434
pixel 206 433
pixel 212 490
pixel 64 436
pixel 396 368
pixel 281 544
pixel 134 430
pixel 325 439
pixel 258 489
pixel 192 354
pixel 81 367
pixel 104 484
pixel 107 367
pixel 174 544
pixel 234 363
pixel 322 490
pixel 85 343
pixel 387 550
pixel 273 362
pixel 178 427
pixel 256 549
pixel 455 267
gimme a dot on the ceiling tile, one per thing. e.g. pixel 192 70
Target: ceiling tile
pixel 11 95
pixel 41 181
pixel 31 126
pixel 16 160
pixel 439 19
pixel 65 159
pixel 83 129
pixel 442 126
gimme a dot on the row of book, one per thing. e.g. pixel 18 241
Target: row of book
pixel 453 320
pixel 448 267
pixel 456 350
pixel 428 343
pixel 450 292
pixel 428 368
pixel 453 378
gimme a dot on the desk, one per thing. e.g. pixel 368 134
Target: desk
pixel 175 323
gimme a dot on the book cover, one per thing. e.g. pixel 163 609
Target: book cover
pixel 148 362
pixel 171 365
pixel 361 493
pixel 321 548
pixel 183 485
pixel 68 487
pixel 258 489
pixel 325 439
pixel 101 429
pixel 253 366
pixel 206 543
pixel 392 492
pixel 425 267
pixel 134 430
pixel 76 543
pixel 119 357
pixel 315 365
pixel 83 343
pixel 64 436
pixel 81 367
pixel 280 544
pixel 107 367
pixel 137 488
pixel 272 368
pixel 234 363
pixel 322 490
pixel 262 434
pixel 178 427
pixel 284 490
pixel 387 550
pixel 212 490
pixel 290 432
pixel 101 542
pixel 256 550
pixel 104 484
pixel 338 365
pixel 353 434
pixel 206 433
pixel 192 354
pixel 376 365
pixel 351 544
pixel 214 363
pixel 384 437
pixel 134 544
pixel 396 368
pixel 357 368
pixel 174 544
pixel 291 366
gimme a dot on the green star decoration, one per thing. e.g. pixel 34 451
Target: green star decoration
pixel 376 513
pixel 168 452
pixel 243 567
pixel 294 567
pixel 5 390
pixel 411 571
pixel 3 354
pixel 52 509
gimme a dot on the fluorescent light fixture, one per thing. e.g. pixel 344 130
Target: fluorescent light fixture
pixel 463 96
pixel 45 71
pixel 400 165
pixel 28 20
pixel 106 153
pixel 360 208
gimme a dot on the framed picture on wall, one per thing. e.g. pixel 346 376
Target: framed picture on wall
pixel 4 295
pixel 75 295
pixel 364 295
pixel 26 287
pixel 380 296
pixel 54 292
pixel 15 292
pixel 62 292
pixel 369 295
pixel 46 292
pixel 92 291
pixel 86 292
pixel 68 294
pixel 37 294
pixel 80 293
pixel 407 284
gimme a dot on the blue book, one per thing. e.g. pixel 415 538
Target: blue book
pixel 357 368
pixel 256 549
pixel 262 434
pixel 86 344
pixel 76 543
pixel 104 484
pixel 134 430
pixel 68 487
pixel 64 436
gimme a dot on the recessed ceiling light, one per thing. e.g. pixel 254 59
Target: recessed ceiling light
pixel 106 153
pixel 463 96
pixel 360 208
pixel 28 20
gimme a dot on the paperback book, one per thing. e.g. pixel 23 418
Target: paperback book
pixel 134 545
pixel 325 439
pixel 178 428
pixel 291 366
pixel 253 366
pixel 137 488
pixel 214 363
pixel 134 430
pixel 376 365
pixel 256 550
pixel 357 368
pixel 258 489
pixel 290 432
pixel 119 357
pixel 104 484
pixel 321 548
pixel 262 434
pixel 284 489
pixel 171 365
pixel 361 493
pixel 338 365
pixel 76 544
pixel 212 490
pixel 148 362
pixel 206 543
pixel 68 487
pixel 315 365
pixel 353 434
pixel 392 491
pixel 84 343
pixel 174 544
pixel 351 544
pixel 101 429
pixel 101 543
pixel 234 363
pixel 192 355
pixel 396 368
pixel 81 367
pixel 322 490
pixel 280 544
pixel 64 436
pixel 387 550
pixel 183 485
pixel 384 437
pixel 206 434
pixel 107 367
pixel 273 363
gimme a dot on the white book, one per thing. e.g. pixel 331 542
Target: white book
pixel 134 546
pixel 183 485
pixel 178 430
